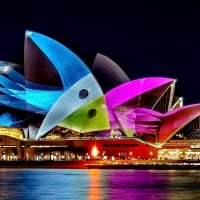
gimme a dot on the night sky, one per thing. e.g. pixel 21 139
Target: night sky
pixel 145 39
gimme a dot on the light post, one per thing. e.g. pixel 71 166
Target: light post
pixel 27 156
pixel 151 154
pixel 41 156
pixel 130 154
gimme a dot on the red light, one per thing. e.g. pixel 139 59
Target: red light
pixel 95 151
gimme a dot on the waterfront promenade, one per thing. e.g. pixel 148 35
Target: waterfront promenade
pixel 105 164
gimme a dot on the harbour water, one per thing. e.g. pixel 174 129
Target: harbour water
pixel 74 184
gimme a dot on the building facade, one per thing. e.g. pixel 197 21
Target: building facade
pixel 56 108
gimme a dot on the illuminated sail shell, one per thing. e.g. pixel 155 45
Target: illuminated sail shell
pixel 55 84
pixel 176 119
pixel 128 98
pixel 80 88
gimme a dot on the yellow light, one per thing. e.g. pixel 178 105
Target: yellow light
pixel 95 151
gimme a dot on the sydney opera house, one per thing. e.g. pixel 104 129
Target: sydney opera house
pixel 55 107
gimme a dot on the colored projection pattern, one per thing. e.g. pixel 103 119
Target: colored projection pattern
pixel 56 88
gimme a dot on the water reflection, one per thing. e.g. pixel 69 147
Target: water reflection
pixel 126 185
pixel 51 184
pixel 144 184
pixel 95 191
pixel 139 184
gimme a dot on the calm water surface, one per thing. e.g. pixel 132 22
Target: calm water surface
pixel 53 184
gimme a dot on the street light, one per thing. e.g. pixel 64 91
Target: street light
pixel 151 154
pixel 26 156
pixel 95 151
pixel 130 154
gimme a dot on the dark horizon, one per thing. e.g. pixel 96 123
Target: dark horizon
pixel 151 39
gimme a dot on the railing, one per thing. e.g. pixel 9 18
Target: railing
pixel 84 138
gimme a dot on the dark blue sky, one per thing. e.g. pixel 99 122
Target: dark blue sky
pixel 145 39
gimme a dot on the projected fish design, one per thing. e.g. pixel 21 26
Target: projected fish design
pixel 59 86
pixel 81 100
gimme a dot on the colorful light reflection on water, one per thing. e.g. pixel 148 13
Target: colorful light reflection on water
pixel 51 184
pixel 144 184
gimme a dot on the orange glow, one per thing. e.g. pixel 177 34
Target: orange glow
pixel 95 151
pixel 94 189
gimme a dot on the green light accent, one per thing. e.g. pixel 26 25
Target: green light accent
pixel 91 117
pixel 129 133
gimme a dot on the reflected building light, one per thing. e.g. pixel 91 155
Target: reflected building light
pixel 94 189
